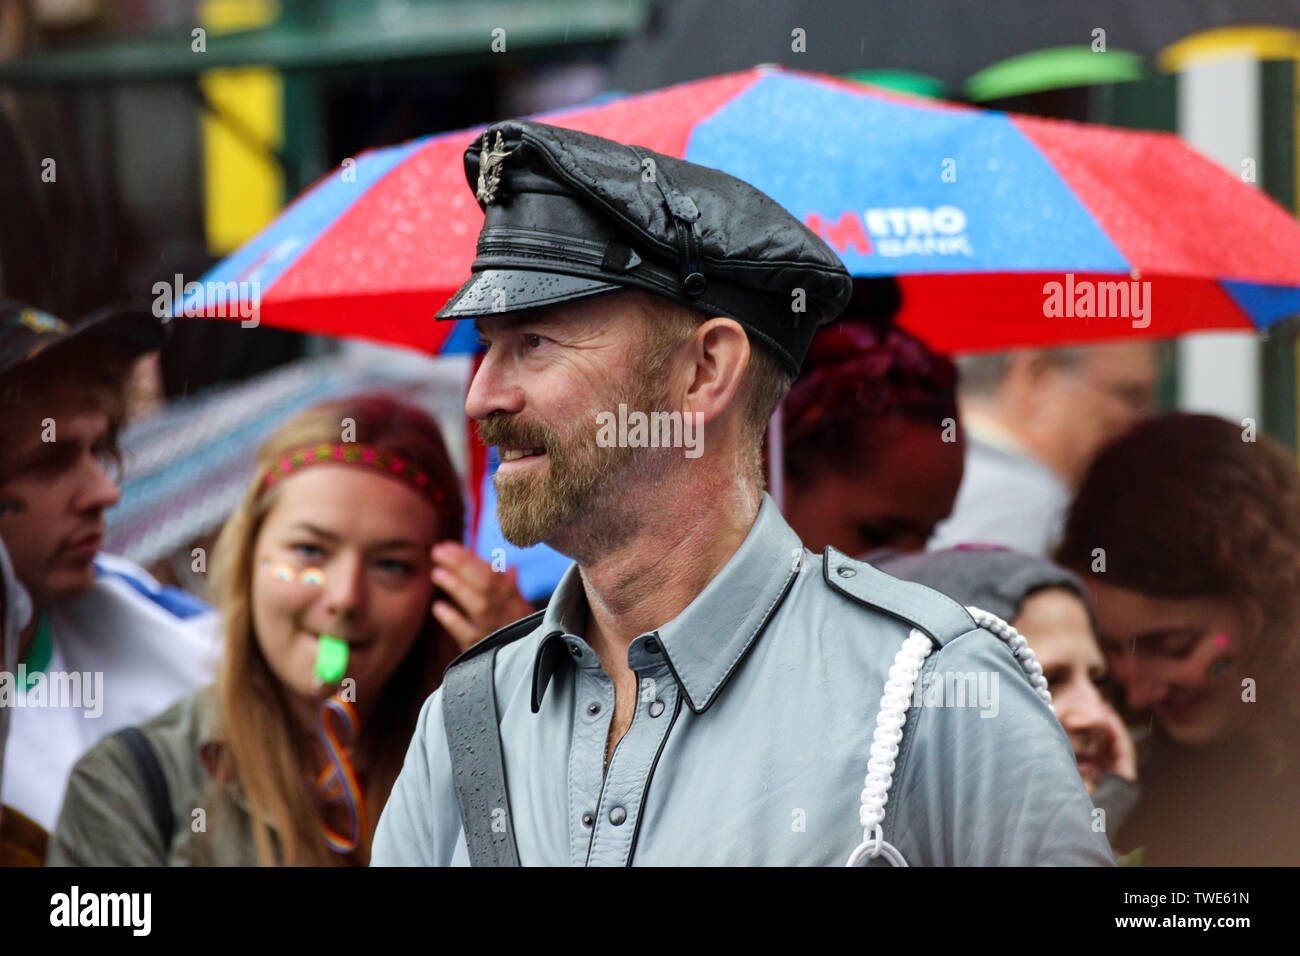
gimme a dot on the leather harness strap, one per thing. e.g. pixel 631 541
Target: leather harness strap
pixel 478 771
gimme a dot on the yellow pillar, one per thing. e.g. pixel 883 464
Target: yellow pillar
pixel 243 187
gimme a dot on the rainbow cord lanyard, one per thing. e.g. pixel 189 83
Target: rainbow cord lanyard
pixel 338 726
pixel 337 782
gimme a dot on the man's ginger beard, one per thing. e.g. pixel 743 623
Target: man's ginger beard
pixel 532 508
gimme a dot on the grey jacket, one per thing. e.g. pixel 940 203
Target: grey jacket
pixel 106 821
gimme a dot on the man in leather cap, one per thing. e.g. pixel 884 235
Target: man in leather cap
pixel 700 689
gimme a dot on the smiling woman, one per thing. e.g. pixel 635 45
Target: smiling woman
pixel 333 548
pixel 1187 531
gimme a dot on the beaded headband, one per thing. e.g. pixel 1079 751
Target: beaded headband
pixel 351 453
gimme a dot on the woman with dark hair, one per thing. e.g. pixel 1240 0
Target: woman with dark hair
pixel 1187 532
pixel 872 447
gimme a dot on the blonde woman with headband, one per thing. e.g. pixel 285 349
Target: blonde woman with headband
pixel 326 577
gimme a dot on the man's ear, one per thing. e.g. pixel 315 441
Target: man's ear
pixel 718 353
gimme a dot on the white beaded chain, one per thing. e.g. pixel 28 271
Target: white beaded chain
pixel 894 704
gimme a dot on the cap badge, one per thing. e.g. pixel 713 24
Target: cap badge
pixel 489 168
pixel 39 321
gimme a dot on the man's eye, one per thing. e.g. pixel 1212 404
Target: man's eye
pixel 54 462
pixel 394 566
pixel 532 339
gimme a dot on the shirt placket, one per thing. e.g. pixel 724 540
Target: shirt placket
pixel 605 810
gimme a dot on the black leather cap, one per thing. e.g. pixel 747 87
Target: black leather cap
pixel 570 215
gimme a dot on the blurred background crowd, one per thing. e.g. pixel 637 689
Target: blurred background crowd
pixel 1129 500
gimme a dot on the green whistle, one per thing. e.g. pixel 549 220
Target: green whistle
pixel 331 659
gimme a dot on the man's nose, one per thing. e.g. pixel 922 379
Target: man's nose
pixel 99 491
pixel 491 390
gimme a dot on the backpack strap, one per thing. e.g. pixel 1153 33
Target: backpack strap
pixel 155 783
pixel 478 771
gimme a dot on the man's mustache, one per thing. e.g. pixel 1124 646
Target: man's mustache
pixel 504 432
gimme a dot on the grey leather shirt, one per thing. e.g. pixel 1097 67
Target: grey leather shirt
pixel 752 732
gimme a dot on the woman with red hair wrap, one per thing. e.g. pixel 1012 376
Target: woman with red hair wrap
pixel 872 446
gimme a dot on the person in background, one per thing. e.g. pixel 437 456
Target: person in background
pixel 872 442
pixel 1187 533
pixel 1034 421
pixel 292 765
pixel 22 841
pixel 106 645
pixel 1049 607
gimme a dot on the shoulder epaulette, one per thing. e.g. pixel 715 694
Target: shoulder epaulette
pixel 932 613
pixel 500 638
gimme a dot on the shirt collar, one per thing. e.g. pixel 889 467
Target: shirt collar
pixel 707 641
pixel 565 614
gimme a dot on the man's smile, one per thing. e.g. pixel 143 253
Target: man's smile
pixel 515 459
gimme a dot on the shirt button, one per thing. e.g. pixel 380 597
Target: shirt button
pixel 846 572
pixel 593 708
pixel 652 646
pixel 656 708
pixel 588 819
pixel 617 816
pixel 576 650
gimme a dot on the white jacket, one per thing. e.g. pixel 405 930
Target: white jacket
pixel 124 651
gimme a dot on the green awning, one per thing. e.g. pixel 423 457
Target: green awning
pixel 353 35
pixel 904 81
pixel 1053 68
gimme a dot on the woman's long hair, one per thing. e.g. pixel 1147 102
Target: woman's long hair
pixel 261 751
pixel 1188 506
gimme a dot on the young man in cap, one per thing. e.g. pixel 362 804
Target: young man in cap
pixel 106 646
pixel 700 689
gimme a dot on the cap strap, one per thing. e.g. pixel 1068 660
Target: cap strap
pixel 690 250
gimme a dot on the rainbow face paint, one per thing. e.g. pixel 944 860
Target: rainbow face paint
pixel 1220 664
pixel 283 571
pixel 331 659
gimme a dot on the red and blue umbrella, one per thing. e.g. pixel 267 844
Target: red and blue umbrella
pixel 976 212
pixel 1003 230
